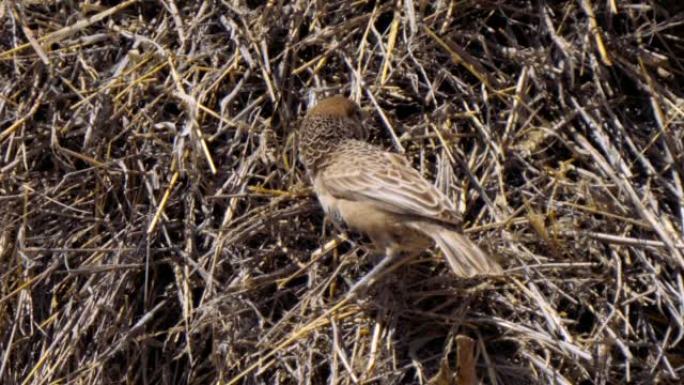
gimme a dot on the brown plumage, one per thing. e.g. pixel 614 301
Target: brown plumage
pixel 379 193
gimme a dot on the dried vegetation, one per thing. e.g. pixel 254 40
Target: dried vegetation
pixel 155 226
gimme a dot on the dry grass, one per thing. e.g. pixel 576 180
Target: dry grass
pixel 157 228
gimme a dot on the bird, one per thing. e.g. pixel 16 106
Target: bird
pixel 379 193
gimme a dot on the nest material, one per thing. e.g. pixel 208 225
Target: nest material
pixel 157 228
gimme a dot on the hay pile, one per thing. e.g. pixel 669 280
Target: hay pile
pixel 155 226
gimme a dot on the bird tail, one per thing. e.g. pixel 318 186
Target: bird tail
pixel 464 257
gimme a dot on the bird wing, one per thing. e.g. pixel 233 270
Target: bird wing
pixel 387 179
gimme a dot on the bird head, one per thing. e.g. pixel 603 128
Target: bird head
pixel 343 109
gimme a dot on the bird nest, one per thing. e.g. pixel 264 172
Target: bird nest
pixel 156 226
